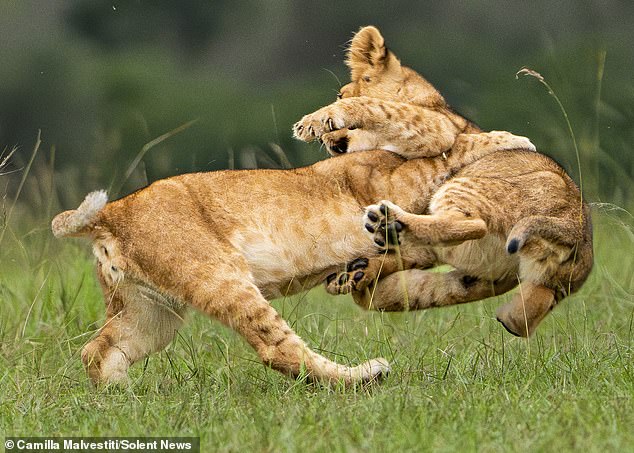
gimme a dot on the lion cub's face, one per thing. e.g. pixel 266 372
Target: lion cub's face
pixel 376 72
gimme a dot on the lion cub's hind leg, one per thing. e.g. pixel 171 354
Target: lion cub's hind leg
pixel 223 291
pixel 139 321
pixel 476 145
pixel 388 223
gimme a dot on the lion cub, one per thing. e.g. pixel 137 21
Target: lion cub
pixel 391 107
pixel 509 217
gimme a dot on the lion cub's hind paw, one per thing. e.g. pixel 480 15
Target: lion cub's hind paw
pixel 353 278
pixel 375 370
pixel 381 221
pixel 505 140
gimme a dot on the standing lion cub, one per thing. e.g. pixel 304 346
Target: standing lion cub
pixel 510 217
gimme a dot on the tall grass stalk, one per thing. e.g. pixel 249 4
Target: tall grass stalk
pixel 147 147
pixel 532 73
pixel 597 100
pixel 4 160
pixel 25 174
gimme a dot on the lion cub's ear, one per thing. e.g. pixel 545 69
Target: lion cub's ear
pixel 368 52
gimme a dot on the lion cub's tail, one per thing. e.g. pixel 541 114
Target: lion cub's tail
pixel 80 220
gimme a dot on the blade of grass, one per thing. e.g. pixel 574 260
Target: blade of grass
pixel 147 147
pixel 36 148
pixel 532 73
pixel 5 159
pixel 281 155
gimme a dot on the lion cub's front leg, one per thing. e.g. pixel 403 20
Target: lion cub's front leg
pixel 405 129
pixel 351 113
pixel 347 140
pixel 356 276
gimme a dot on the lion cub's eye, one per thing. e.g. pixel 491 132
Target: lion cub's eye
pixel 366 78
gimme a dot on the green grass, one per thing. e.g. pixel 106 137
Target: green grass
pixel 459 381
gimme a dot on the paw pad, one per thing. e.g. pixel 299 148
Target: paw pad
pixel 353 278
pixel 380 221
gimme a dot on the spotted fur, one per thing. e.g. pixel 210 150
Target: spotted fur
pixel 391 107
pixel 511 216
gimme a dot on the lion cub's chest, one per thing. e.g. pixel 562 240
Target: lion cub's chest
pixel 294 243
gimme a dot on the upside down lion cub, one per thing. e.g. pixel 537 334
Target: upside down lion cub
pixel 509 217
pixel 223 242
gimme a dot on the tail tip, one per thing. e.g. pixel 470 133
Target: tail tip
pixel 73 222
pixel 96 200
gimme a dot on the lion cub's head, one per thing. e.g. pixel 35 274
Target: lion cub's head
pixel 376 72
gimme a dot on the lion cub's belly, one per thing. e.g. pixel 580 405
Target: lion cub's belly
pixel 485 258
pixel 287 245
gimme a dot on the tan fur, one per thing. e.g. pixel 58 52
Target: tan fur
pixel 509 216
pixel 207 241
pixel 224 242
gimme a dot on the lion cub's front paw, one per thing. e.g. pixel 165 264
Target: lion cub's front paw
pixel 314 125
pixel 354 278
pixel 336 142
pixel 383 223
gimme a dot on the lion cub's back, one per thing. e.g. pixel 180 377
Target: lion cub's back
pixel 512 164
pixel 523 182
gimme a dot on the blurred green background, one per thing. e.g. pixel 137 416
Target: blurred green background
pixel 102 78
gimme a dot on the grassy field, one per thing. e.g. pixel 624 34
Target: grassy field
pixel 459 381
